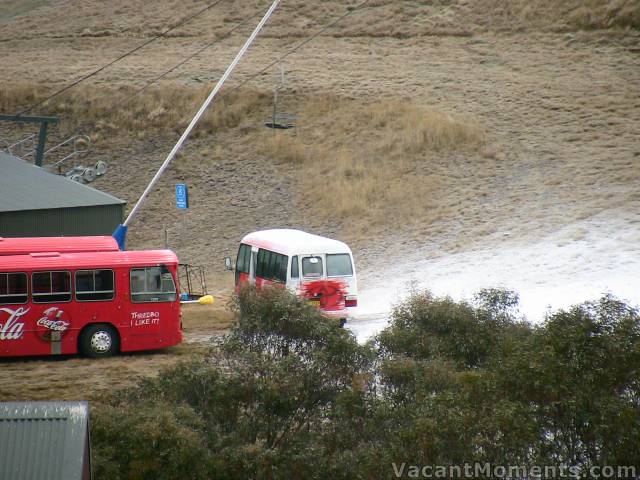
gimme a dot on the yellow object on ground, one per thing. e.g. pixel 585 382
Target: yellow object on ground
pixel 206 300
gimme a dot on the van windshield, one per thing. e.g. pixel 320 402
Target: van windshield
pixel 312 267
pixel 339 265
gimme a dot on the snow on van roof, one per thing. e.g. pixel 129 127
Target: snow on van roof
pixel 294 242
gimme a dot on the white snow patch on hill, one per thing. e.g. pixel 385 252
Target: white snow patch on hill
pixel 580 262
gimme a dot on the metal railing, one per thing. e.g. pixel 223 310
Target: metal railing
pixel 23 148
pixel 79 145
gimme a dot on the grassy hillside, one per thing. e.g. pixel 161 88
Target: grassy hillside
pixel 441 124
pixel 564 16
pixel 296 18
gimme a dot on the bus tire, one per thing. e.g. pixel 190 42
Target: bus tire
pixel 99 340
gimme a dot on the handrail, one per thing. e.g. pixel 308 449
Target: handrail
pixel 76 151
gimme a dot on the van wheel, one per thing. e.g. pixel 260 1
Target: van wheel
pixel 343 321
pixel 99 341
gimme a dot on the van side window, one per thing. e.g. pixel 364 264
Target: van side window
pixel 272 266
pixel 312 267
pixel 294 267
pixel 243 262
pixel 263 263
pixel 94 285
pixel 339 265
pixel 280 267
pixel 51 287
pixel 13 288
pixel 244 258
pixel 152 284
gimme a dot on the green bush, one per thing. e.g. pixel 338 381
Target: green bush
pixel 424 327
pixel 262 396
pixel 289 394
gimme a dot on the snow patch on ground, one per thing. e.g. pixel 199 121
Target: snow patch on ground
pixel 579 262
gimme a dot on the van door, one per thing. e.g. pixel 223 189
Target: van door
pixel 254 262
pixel 294 274
pixel 340 267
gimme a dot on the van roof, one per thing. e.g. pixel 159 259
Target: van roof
pixel 64 261
pixel 294 242
pixel 26 245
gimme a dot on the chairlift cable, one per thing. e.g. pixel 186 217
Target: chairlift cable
pixel 124 55
pixel 219 85
pixel 186 59
pixel 299 46
pixel 198 115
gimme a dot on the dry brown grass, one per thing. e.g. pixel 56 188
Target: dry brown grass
pixel 564 117
pixel 78 378
pixel 294 19
pixel 161 109
pixel 374 163
pixel 556 15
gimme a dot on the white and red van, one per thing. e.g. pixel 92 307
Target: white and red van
pixel 318 268
pixel 27 245
pixel 97 303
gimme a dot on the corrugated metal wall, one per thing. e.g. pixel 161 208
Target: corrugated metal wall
pixel 44 441
pixel 99 220
pixel 26 440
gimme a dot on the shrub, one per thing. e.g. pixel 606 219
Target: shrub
pixel 262 397
pixel 289 394
pixel 425 327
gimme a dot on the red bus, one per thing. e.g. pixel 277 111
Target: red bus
pixel 96 303
pixel 25 246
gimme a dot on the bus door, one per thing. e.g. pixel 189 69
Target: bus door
pixel 153 300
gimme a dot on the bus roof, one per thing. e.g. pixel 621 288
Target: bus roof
pixel 294 242
pixel 26 245
pixel 75 261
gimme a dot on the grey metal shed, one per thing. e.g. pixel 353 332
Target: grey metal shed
pixel 44 441
pixel 37 203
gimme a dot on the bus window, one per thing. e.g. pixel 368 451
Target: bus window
pixel 51 287
pixel 94 285
pixel 13 288
pixel 294 267
pixel 339 265
pixel 152 284
pixel 312 267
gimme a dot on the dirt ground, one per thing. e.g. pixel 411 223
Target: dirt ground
pixel 72 377
pixel 555 92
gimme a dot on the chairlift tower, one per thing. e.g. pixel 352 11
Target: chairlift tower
pixel 42 135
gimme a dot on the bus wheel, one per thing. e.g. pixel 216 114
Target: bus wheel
pixel 342 322
pixel 99 341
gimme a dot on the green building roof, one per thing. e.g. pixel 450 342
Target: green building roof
pixel 23 186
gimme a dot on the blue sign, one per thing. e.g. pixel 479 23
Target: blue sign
pixel 182 196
